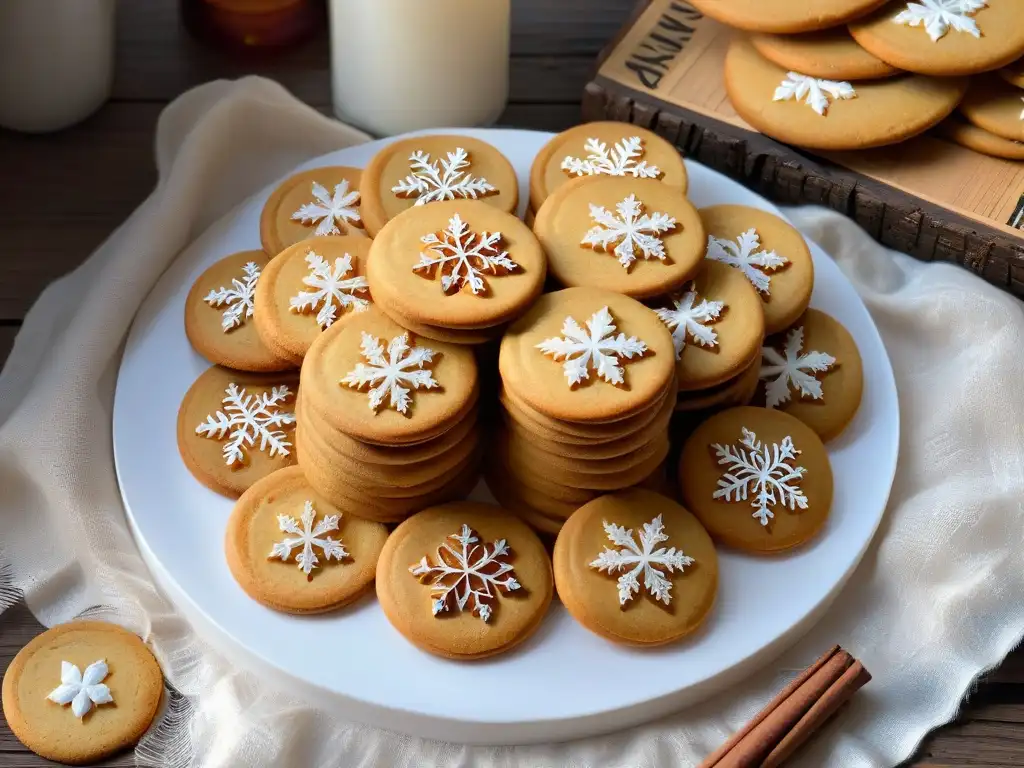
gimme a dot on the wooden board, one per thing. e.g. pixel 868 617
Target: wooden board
pixel 926 197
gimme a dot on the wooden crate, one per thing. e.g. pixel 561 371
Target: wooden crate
pixel 926 197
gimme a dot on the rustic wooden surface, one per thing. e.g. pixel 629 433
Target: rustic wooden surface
pixel 63 194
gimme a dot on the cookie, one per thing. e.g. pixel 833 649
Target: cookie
pixel 464 580
pixel 995 106
pixel 758 480
pixel 292 550
pixel 219 320
pixel 428 169
pixel 739 390
pixel 813 371
pixel 831 54
pixel 640 237
pixel 785 18
pixel 605 148
pixel 959 131
pixel 947 38
pixel 472 337
pixel 312 204
pixel 82 691
pixel 636 568
pixel 236 428
pixel 834 115
pixel 458 264
pixel 1014 73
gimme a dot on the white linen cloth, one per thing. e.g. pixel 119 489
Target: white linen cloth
pixel 936 600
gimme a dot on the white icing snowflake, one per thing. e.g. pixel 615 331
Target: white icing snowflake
pixel 594 348
pixel 939 16
pixel 755 467
pixel 404 364
pixel 745 255
pixel 632 232
pixel 246 417
pixel 468 571
pixel 794 370
pixel 622 160
pixel 813 91
pixel 462 257
pixel 334 289
pixel 441 179
pixel 642 558
pixel 308 537
pixel 332 212
pixel 238 297
pixel 689 321
pixel 79 690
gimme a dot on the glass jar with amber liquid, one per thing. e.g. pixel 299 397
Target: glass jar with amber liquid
pixel 252 24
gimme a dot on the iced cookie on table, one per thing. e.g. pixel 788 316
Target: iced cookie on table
pixel 831 54
pixel 636 568
pixel 785 17
pixel 219 315
pixel 996 106
pixel 307 288
pixel 459 265
pixel 464 580
pixel 292 550
pixel 759 480
pixel 604 148
pixel 82 691
pixel 236 428
pixel 429 169
pixel 313 204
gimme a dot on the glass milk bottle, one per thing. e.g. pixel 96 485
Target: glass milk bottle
pixel 402 65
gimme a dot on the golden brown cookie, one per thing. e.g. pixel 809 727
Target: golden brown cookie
pixel 605 148
pixel 785 18
pixel 219 319
pixel 636 568
pixel 834 115
pixel 640 237
pixel 449 335
pixel 236 428
pixel 292 550
pixel 831 54
pixel 1014 73
pixel 758 480
pixel 312 204
pixel 459 264
pixel 995 106
pixel 813 371
pixel 464 580
pixel 82 691
pixel 428 169
pixel 951 37
pixel 739 390
pixel 959 131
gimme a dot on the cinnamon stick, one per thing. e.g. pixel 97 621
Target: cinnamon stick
pixel 794 714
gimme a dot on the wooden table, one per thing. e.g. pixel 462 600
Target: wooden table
pixel 63 194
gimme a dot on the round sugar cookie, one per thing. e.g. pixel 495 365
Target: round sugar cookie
pixel 266 546
pixel 317 203
pixel 595 560
pixel 1014 73
pixel 995 106
pixel 719 470
pixel 739 390
pixel 639 237
pixel 82 691
pixel 792 17
pixel 459 264
pixel 236 428
pixel 497 597
pixel 831 54
pixel 948 39
pixel 816 114
pixel 604 148
pixel 428 169
pixel 959 131
pixel 219 315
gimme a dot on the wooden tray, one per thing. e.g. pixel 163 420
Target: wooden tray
pixel 926 197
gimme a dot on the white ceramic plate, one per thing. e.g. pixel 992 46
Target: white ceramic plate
pixel 564 682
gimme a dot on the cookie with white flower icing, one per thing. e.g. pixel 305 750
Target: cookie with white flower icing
pixel 831 54
pixel 604 148
pixel 236 428
pixel 639 237
pixel 961 132
pixel 309 287
pixel 996 106
pixel 323 202
pixel 798 109
pixel 944 37
pixel 636 568
pixel 813 371
pixel 219 315
pixel 82 691
pixel 464 580
pixel 759 480
pixel 785 18
pixel 428 169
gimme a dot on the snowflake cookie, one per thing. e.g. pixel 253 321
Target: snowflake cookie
pixel 624 159
pixel 747 256
pixel 82 690
pixel 690 320
pixel 813 91
pixel 442 179
pixel 768 473
pixel 462 258
pixel 793 369
pixel 596 348
pixel 245 418
pixel 629 234
pixel 308 537
pixel 334 287
pixel 238 298
pixel 938 17
pixel 331 214
pixel 384 374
